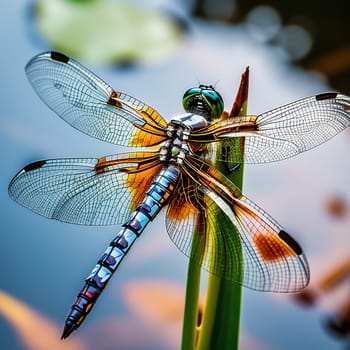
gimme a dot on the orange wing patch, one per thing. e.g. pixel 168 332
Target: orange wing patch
pixel 271 247
pixel 139 183
pixel 152 132
pixel 181 206
pixel 140 167
pixel 270 241
pixel 180 210
pixel 145 139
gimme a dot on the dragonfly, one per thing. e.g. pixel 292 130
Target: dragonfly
pixel 173 168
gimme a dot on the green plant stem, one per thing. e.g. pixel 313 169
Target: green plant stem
pixel 191 313
pixel 189 330
pixel 221 318
pixel 220 324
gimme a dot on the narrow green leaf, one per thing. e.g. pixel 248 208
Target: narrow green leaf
pixel 189 330
pixel 221 319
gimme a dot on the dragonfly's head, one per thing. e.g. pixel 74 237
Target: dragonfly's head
pixel 203 100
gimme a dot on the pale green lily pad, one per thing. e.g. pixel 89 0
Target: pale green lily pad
pixel 102 31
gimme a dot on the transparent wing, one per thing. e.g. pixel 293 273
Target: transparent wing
pixel 185 214
pixel 200 229
pixel 237 240
pixel 90 105
pixel 87 191
pixel 281 133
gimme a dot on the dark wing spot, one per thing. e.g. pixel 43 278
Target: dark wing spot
pixel 59 57
pixel 291 242
pixel 35 165
pixel 326 96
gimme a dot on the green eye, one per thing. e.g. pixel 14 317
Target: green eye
pixel 203 100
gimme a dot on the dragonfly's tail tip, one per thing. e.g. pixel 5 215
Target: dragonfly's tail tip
pixel 69 327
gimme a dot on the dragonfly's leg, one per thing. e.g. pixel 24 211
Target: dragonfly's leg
pixel 233 168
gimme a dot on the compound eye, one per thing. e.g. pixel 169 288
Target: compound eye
pixel 205 101
pixel 214 101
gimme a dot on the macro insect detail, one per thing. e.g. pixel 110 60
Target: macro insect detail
pixel 175 173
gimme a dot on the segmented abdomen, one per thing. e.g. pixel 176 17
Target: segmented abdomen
pixel 97 280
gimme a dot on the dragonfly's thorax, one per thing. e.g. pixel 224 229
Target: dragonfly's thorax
pixel 175 149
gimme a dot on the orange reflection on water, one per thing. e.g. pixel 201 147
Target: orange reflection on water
pixel 158 305
pixel 160 301
pixel 158 308
pixel 35 331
